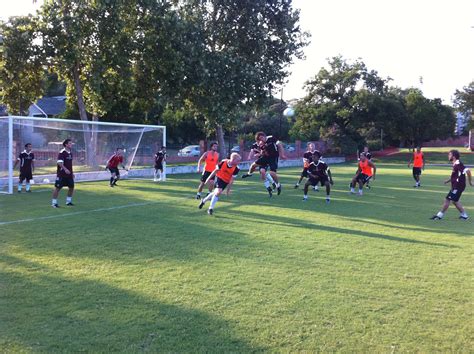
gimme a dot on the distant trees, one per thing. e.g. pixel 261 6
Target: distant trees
pixel 347 103
pixel 464 102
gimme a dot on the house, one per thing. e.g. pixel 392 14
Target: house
pixel 50 107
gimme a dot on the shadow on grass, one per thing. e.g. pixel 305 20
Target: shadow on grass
pixel 49 312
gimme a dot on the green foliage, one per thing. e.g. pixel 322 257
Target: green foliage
pixel 350 106
pixel 464 102
pixel 21 71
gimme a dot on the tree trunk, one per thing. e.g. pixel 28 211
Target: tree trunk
pixel 89 141
pixel 220 141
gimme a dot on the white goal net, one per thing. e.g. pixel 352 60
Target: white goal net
pixel 93 144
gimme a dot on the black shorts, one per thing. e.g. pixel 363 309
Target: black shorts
pixel 64 182
pixel 363 178
pixel 315 181
pixel 416 171
pixel 26 175
pixel 454 195
pixel 205 175
pixel 304 173
pixel 270 162
pixel 159 166
pixel 220 184
pixel 114 170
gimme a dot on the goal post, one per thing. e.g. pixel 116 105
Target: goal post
pixel 93 144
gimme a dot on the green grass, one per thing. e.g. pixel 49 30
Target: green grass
pixel 433 155
pixel 363 274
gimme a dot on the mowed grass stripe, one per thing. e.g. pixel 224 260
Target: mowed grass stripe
pixel 363 273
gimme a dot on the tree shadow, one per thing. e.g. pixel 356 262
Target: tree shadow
pixel 59 313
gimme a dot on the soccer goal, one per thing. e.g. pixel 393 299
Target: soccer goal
pixel 93 144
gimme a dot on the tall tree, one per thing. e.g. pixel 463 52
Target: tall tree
pixel 21 70
pixel 464 102
pixel 238 51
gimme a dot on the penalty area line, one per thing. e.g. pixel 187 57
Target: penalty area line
pixel 75 213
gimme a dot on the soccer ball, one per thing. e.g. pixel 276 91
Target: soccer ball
pixel 45 180
pixel 289 112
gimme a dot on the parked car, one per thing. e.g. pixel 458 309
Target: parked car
pixel 190 150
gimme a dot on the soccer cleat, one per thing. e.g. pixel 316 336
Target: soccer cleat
pixel 55 205
pixel 270 192
pixel 316 189
pixel 210 211
pixel 19 191
pixel 305 199
pixel 296 186
pixel 201 204
pixel 367 186
pixel 112 185
pixel 28 191
pixel 462 217
pixel 69 204
pixel 198 196
pixel 279 189
pixel 246 175
pixel 435 217
pixel 328 200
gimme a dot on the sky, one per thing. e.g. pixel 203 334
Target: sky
pixel 400 39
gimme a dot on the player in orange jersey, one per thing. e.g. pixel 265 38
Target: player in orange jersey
pixel 418 160
pixel 211 159
pixel 225 173
pixel 364 173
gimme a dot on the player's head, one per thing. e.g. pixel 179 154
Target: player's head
pixel 418 148
pixel 235 158
pixel 214 146
pixel 310 146
pixel 362 156
pixel 67 143
pixel 316 154
pixel 28 147
pixel 453 155
pixel 366 149
pixel 260 136
pixel 119 151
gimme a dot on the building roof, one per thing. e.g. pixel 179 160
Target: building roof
pixel 52 106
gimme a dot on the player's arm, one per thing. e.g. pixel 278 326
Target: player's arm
pixel 62 167
pixel 281 151
pixel 469 177
pixel 203 156
pixel 371 164
pixel 330 176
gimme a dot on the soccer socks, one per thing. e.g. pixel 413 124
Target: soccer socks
pixel 111 180
pixel 19 187
pixel 54 202
pixel 209 196
pixel 305 197
pixel 440 214
pixel 28 187
pixel 266 184
pixel 214 200
pixel 68 200
pixel 361 191
pixel 269 178
pixel 352 190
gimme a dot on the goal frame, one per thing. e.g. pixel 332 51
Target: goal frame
pixel 11 119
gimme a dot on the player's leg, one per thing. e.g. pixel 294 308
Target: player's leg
pixel 445 207
pixel 304 174
pixel 309 182
pixel 252 168
pixel 328 191
pixel 70 192
pixel 353 183
pixel 20 182
pixel 273 172
pixel 463 215
pixel 28 185
pixel 57 188
pixel 267 180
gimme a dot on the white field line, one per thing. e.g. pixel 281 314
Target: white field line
pixel 75 213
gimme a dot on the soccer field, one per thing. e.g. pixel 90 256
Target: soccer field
pixel 141 268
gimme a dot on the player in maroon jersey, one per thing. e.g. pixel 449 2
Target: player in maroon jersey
pixel 458 184
pixel 27 165
pixel 64 174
